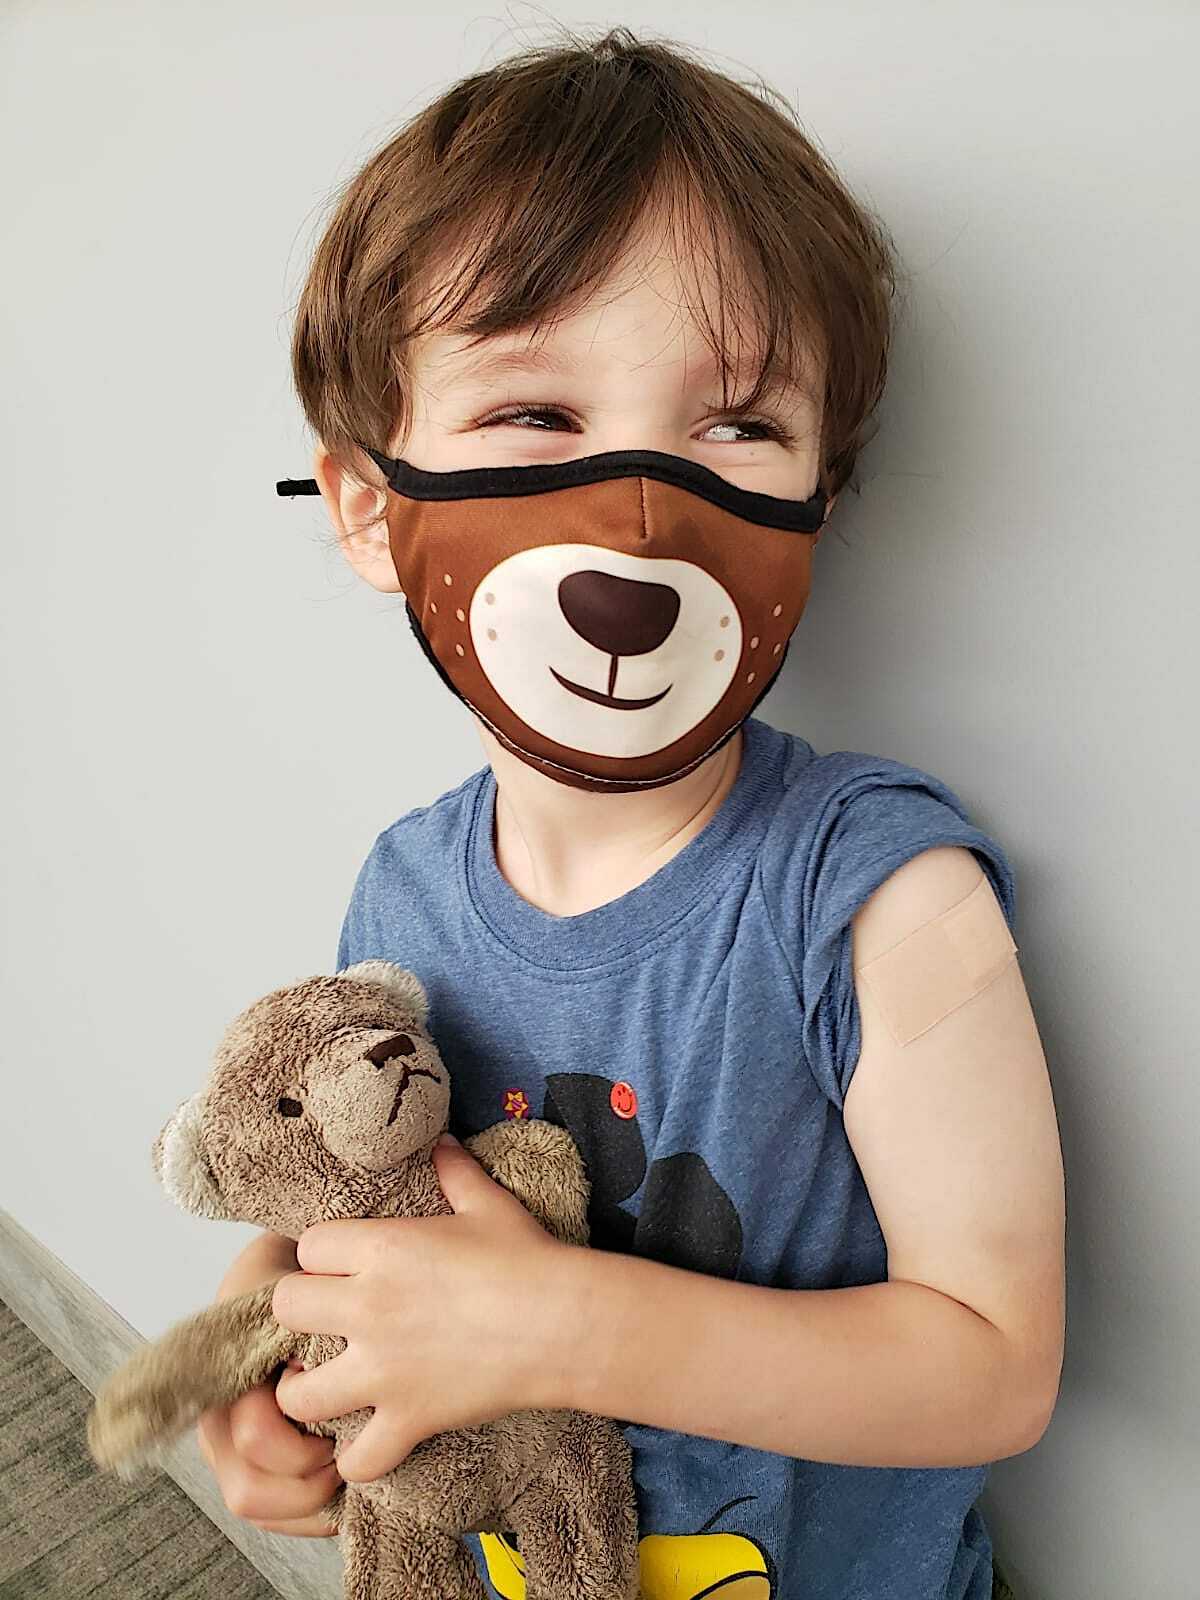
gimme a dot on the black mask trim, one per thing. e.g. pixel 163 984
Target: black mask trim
pixel 473 483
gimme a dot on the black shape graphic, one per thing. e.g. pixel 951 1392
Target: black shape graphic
pixel 687 1219
pixel 611 1147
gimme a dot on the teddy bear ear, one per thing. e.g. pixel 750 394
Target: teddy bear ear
pixel 405 985
pixel 182 1166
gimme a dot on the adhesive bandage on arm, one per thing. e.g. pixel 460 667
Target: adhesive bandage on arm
pixel 940 965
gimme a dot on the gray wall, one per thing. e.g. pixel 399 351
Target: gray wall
pixel 206 720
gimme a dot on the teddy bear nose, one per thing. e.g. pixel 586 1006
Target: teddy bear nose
pixel 621 616
pixel 388 1049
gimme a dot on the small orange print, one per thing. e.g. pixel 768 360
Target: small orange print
pixel 515 1104
pixel 623 1099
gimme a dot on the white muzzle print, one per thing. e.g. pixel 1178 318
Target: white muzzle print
pixel 604 652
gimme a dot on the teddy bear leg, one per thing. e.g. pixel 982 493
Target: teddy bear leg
pixel 390 1555
pixel 576 1524
pixel 360 1545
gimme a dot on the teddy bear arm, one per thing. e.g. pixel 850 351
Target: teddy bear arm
pixel 539 1163
pixel 209 1359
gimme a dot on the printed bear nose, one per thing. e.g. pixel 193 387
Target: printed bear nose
pixel 388 1049
pixel 621 616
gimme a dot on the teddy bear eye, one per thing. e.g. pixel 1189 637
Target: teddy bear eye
pixel 290 1108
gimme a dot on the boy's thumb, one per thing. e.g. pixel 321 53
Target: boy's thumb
pixel 463 1179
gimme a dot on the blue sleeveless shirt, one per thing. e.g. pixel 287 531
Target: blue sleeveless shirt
pixel 697 1037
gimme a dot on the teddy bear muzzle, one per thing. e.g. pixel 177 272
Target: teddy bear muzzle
pixel 387 1103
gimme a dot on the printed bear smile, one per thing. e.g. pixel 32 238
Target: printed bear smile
pixel 600 699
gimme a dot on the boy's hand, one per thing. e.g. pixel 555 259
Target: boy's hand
pixel 449 1321
pixel 267 1471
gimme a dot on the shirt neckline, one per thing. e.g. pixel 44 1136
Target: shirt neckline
pixel 607 935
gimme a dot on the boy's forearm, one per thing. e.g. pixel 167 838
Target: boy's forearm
pixel 888 1374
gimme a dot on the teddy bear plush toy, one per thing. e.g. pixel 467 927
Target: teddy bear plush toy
pixel 325 1100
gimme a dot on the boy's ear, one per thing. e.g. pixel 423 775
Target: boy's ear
pixel 819 535
pixel 350 506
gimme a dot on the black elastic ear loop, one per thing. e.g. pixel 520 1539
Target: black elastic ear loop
pixel 469 483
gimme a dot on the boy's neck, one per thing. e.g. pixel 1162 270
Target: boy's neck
pixel 568 850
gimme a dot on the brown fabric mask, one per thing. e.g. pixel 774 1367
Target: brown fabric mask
pixel 612 619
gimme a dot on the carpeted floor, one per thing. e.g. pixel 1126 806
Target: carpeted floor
pixel 69 1532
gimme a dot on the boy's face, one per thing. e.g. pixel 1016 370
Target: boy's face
pixel 627 369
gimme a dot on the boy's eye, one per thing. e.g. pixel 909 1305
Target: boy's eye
pixel 544 417
pixel 756 427
pixel 540 413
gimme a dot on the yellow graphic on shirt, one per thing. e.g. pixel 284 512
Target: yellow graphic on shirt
pixel 516 1104
pixel 684 1566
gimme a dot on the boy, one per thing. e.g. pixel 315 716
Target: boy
pixel 773 995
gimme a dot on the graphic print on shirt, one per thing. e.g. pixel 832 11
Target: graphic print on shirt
pixel 683 1566
pixel 686 1220
pixel 516 1104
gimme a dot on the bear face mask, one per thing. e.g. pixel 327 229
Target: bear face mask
pixel 612 619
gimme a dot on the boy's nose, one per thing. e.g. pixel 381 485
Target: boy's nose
pixel 621 616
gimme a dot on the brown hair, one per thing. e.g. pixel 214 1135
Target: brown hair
pixel 530 177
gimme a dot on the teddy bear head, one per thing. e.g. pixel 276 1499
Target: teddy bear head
pixel 320 1096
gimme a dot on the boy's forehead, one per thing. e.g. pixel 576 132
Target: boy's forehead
pixel 648 315
pixel 619 338
pixel 454 370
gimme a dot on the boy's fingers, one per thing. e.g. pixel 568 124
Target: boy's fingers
pixel 317 1527
pixel 263 1497
pixel 263 1436
pixel 212 1433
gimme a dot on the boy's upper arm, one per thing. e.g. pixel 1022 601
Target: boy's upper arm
pixel 949 1110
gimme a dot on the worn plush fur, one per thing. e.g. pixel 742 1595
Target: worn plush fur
pixel 324 1101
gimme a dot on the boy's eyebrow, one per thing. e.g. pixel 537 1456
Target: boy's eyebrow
pixel 498 363
pixel 485 364
pixel 777 376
